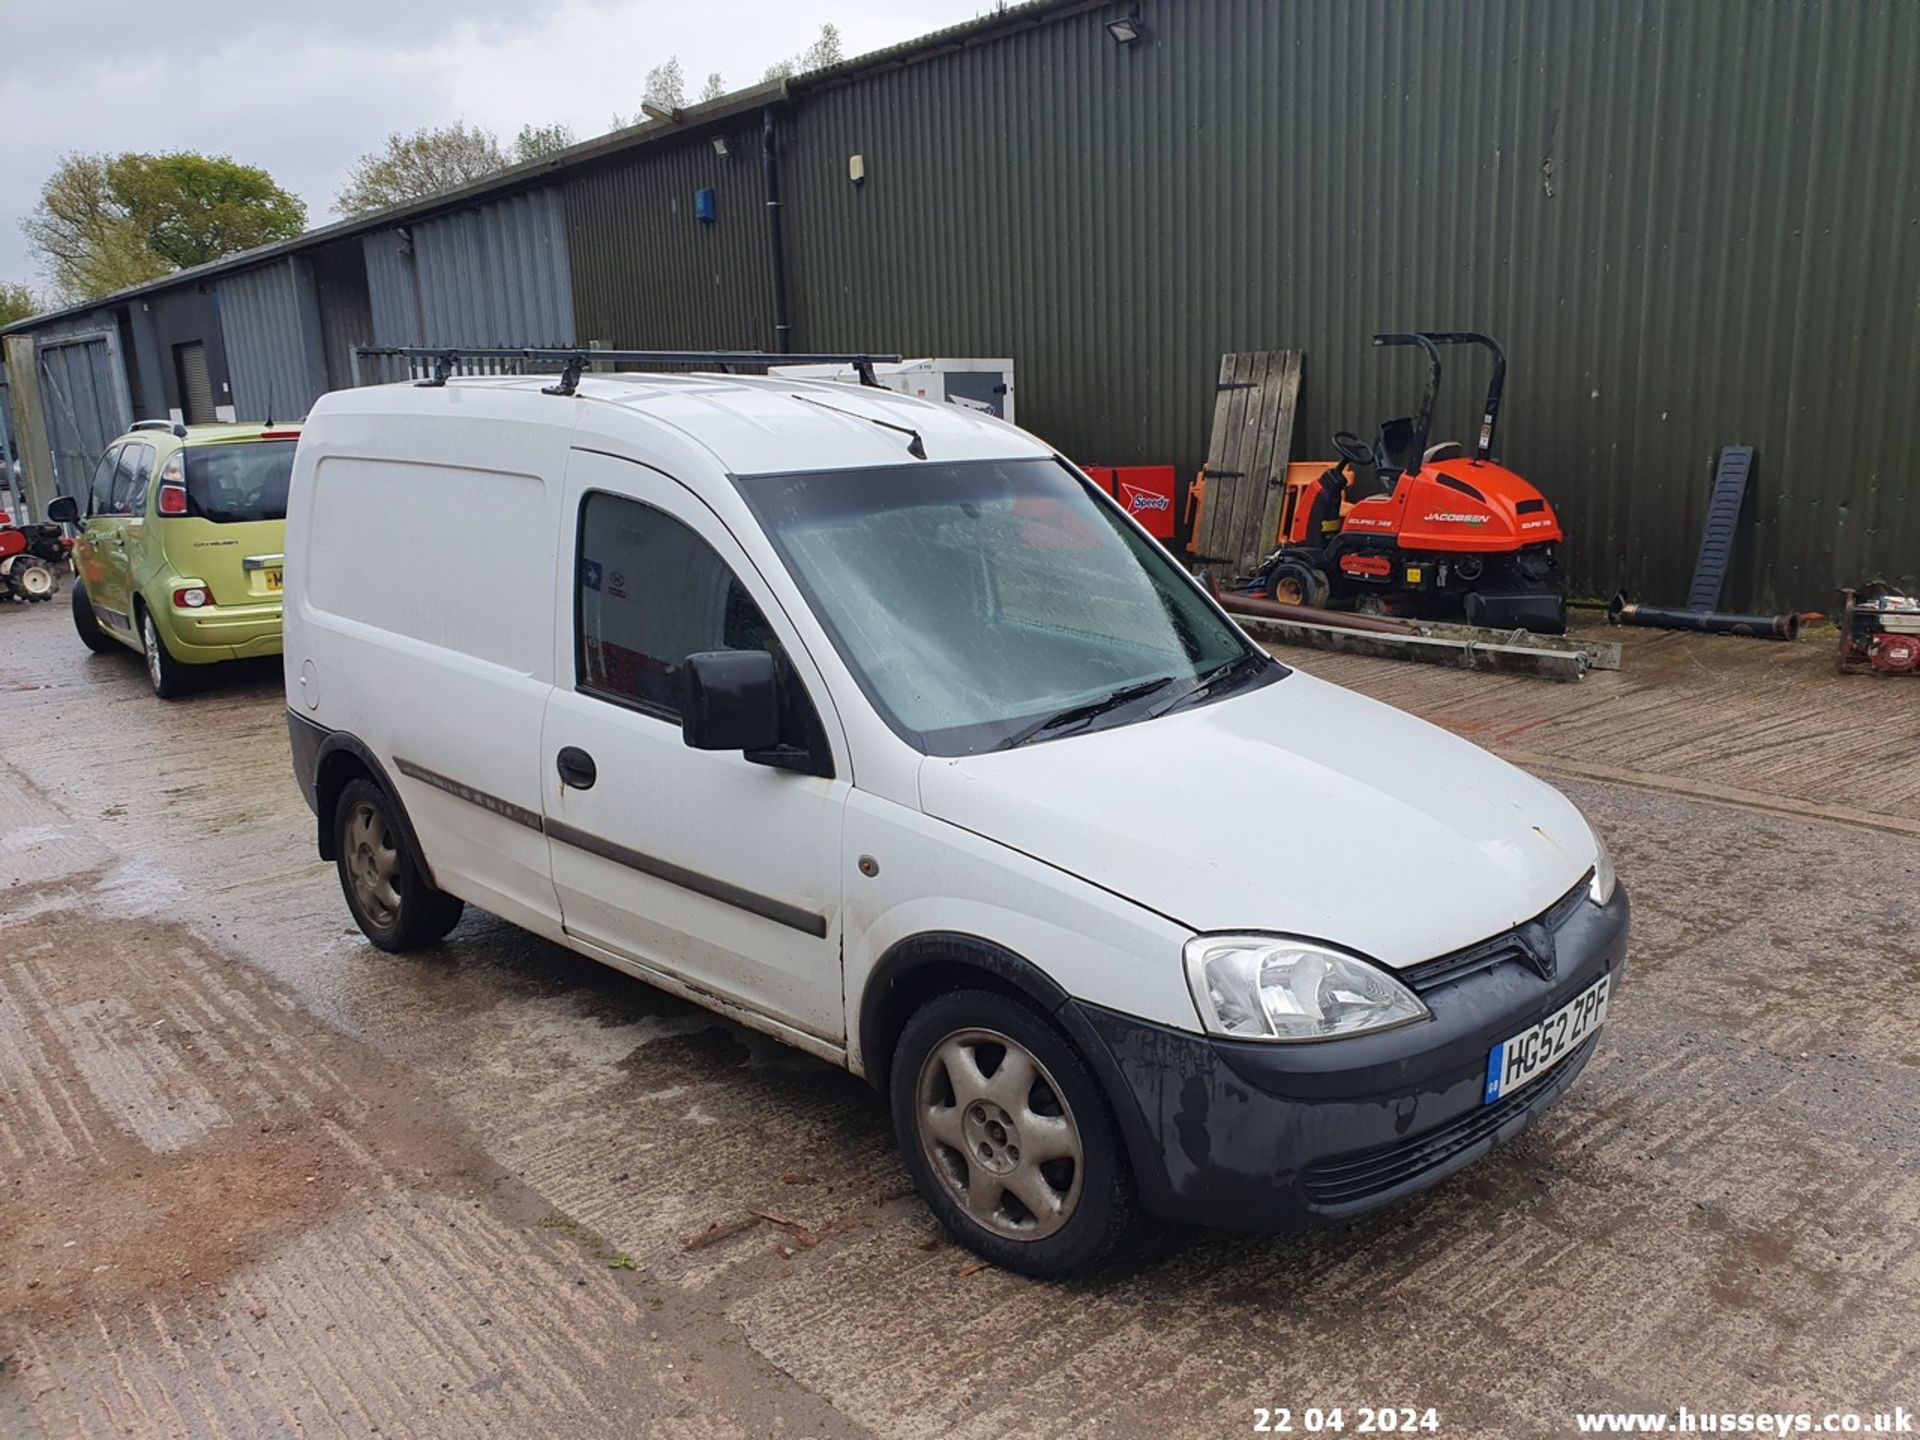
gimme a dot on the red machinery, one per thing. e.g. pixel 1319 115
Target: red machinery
pixel 1880 631
pixel 1447 528
pixel 29 557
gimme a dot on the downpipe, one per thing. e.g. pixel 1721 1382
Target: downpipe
pixel 1718 622
pixel 776 245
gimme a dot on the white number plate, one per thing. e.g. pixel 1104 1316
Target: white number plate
pixel 1530 1054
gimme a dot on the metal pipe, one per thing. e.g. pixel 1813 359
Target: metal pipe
pixel 1312 615
pixel 1719 622
pixel 776 249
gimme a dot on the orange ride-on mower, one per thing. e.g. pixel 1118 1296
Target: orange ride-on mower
pixel 1446 531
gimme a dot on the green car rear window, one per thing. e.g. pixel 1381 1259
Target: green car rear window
pixel 235 482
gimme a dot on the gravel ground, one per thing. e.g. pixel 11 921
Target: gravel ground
pixel 257 1178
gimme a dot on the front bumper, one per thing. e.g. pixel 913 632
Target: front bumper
pixel 1266 1137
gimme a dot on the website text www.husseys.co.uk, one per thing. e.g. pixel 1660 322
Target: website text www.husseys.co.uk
pixel 1898 1421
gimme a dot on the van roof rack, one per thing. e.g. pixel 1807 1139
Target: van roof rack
pixel 572 363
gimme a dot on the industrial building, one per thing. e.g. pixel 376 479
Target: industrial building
pixel 1692 226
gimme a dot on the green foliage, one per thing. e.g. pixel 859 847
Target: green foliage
pixel 17 302
pixel 824 51
pixel 666 85
pixel 533 141
pixel 105 222
pixel 197 208
pixel 411 167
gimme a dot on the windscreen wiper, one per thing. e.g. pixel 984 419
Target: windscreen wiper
pixel 1087 711
pixel 1248 663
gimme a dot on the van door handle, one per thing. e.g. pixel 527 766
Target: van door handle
pixel 577 770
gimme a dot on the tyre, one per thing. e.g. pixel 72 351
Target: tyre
pixel 1295 582
pixel 33 579
pixel 1008 1136
pixel 170 679
pixel 87 624
pixel 394 904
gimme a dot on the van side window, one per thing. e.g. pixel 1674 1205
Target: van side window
pixel 100 493
pixel 650 592
pixel 130 480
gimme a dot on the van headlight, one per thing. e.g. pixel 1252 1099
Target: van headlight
pixel 1600 888
pixel 1263 987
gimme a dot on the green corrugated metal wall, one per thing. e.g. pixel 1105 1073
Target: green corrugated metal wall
pixel 1692 223
pixel 647 274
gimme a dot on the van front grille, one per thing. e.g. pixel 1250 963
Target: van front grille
pixel 1350 1179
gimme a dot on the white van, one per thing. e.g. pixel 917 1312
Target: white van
pixel 874 725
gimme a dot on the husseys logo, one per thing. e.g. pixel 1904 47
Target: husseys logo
pixel 1454 517
pixel 1138 499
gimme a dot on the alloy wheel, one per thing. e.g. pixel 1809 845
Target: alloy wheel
pixel 150 642
pixel 997 1131
pixel 373 863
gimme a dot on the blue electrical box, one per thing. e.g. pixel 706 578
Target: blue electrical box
pixel 703 205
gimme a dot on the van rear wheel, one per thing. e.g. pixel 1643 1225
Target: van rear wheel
pixel 1008 1136
pixel 394 904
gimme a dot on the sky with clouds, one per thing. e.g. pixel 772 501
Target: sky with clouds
pixel 304 89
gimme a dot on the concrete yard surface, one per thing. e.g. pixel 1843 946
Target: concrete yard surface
pixel 258 1178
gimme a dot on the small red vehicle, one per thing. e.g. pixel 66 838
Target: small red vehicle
pixel 1446 530
pixel 31 558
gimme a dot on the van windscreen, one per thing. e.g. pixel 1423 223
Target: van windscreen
pixel 238 481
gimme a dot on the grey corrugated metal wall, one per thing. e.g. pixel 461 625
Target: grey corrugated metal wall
pixel 346 310
pixel 495 274
pixel 271 319
pixel 1691 224
pixel 647 274
pixel 6 418
pixel 83 395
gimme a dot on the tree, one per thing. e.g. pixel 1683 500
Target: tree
pixel 714 88
pixel 17 302
pixel 666 85
pixel 196 208
pixel 533 141
pixel 105 222
pixel 426 162
pixel 85 241
pixel 824 51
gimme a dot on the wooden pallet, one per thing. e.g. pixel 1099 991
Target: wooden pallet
pixel 1253 412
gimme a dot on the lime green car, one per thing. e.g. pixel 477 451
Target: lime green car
pixel 183 539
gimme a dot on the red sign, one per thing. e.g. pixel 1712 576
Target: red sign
pixel 1144 491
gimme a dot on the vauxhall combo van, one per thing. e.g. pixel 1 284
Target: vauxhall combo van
pixel 874 725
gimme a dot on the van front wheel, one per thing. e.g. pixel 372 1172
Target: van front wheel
pixel 1009 1137
pixel 395 905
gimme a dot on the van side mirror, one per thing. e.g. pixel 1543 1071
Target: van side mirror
pixel 730 700
pixel 64 510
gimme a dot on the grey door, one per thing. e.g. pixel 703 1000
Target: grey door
pixel 83 394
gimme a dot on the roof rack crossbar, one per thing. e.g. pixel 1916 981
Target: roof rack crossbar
pixel 441 363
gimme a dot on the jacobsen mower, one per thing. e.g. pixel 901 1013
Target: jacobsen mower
pixel 1446 531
